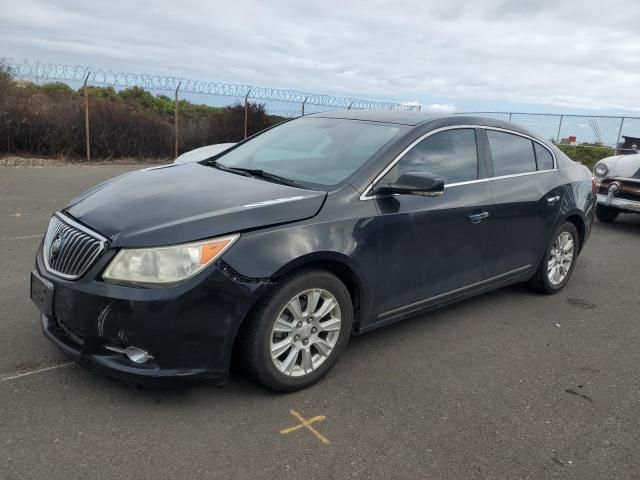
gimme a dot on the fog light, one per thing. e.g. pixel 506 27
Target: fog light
pixel 137 355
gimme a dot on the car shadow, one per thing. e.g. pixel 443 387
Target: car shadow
pixel 240 386
pixel 448 314
pixel 385 340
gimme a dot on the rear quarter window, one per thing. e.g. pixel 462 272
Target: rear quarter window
pixel 544 159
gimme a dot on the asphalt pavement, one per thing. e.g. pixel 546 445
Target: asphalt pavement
pixel 508 385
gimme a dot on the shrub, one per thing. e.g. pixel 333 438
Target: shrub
pixel 587 154
pixel 37 121
pixel 48 120
pixel 56 89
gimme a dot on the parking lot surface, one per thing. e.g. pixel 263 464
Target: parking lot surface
pixel 508 385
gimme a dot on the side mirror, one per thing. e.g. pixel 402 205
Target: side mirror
pixel 414 183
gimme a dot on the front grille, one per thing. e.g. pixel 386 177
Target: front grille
pixel 70 249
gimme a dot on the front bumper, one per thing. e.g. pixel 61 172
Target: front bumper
pixel 189 329
pixel 620 203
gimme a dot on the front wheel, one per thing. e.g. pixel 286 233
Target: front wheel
pixel 558 263
pixel 298 331
pixel 606 214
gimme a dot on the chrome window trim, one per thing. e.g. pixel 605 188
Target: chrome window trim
pixel 392 164
pixel 71 222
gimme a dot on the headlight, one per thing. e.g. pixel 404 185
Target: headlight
pixel 601 169
pixel 165 265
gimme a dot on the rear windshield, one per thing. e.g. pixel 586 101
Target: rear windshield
pixel 318 151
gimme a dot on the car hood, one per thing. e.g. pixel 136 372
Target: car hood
pixel 180 203
pixel 203 153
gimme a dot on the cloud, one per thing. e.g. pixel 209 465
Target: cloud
pixel 434 107
pixel 573 54
pixel 440 108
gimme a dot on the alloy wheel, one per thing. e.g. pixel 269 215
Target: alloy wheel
pixel 560 258
pixel 305 332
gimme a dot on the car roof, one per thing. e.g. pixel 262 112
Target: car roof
pixel 416 119
pixel 386 116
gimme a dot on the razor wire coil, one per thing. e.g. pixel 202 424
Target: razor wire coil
pixel 41 72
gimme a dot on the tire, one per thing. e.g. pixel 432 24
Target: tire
pixel 259 337
pixel 606 214
pixel 541 280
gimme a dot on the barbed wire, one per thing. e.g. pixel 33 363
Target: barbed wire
pixel 56 72
pixel 601 129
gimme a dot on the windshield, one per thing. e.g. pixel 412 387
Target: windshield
pixel 321 151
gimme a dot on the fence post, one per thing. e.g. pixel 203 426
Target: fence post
pixel 305 101
pixel 510 116
pixel 246 113
pixel 86 116
pixel 176 121
pixel 619 134
pixel 559 127
pixel 349 107
pixel 419 108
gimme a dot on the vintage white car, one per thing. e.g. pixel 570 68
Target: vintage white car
pixel 618 181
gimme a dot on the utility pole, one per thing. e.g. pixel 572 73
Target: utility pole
pixel 246 113
pixel 619 134
pixel 175 121
pixel 86 116
pixel 559 128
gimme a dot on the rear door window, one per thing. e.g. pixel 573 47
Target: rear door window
pixel 511 154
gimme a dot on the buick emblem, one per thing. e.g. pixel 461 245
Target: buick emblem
pixel 55 247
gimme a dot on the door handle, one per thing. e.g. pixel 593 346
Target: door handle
pixel 552 200
pixel 478 217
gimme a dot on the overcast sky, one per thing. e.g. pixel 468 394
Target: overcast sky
pixel 489 54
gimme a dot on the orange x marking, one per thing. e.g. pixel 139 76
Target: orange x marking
pixel 306 424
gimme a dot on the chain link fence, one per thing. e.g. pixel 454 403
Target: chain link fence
pixel 185 102
pixel 186 107
pixel 611 131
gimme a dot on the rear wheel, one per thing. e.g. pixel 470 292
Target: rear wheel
pixel 558 263
pixel 606 214
pixel 298 331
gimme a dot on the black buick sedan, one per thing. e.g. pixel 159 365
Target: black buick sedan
pixel 280 248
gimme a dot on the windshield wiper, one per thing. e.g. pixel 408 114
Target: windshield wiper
pixel 224 168
pixel 256 172
pixel 253 172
